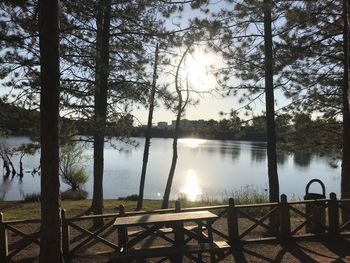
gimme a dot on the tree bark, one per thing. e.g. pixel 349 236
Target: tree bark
pixel 148 132
pixel 50 233
pixel 101 90
pixel 345 171
pixel 169 183
pixel 270 108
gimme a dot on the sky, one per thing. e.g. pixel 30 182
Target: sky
pixel 208 108
pixel 196 67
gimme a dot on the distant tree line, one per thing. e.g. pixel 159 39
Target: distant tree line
pixel 294 133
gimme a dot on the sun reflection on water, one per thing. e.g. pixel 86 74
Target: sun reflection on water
pixel 191 142
pixel 191 188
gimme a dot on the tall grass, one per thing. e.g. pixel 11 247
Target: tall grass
pixel 249 194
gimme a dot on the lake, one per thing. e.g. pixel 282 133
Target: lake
pixel 210 168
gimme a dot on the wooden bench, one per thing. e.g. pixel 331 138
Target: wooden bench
pixel 161 251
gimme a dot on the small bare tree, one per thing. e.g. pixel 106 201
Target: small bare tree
pixel 148 131
pixel 6 153
pixel 71 170
pixel 182 103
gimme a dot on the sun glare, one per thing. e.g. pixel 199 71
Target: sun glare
pixel 197 69
pixel 191 188
pixel 191 143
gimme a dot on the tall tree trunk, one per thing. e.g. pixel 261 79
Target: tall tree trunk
pixel 101 90
pixel 148 132
pixel 180 109
pixel 50 232
pixel 345 171
pixel 270 109
pixel 169 183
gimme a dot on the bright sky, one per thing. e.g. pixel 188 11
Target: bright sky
pixel 208 108
pixel 196 67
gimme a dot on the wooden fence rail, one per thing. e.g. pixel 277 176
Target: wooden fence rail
pixel 231 214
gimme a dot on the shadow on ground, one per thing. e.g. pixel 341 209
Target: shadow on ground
pixel 305 251
pixel 313 251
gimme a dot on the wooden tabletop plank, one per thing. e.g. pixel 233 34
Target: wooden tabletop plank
pixel 163 218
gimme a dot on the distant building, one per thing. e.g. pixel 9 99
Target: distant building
pixel 185 124
pixel 162 125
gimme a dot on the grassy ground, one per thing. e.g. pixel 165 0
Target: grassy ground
pixel 31 210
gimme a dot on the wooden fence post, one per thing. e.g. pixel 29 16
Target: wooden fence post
pixel 232 222
pixel 121 210
pixel 3 240
pixel 122 234
pixel 177 206
pixel 285 232
pixel 333 214
pixel 179 235
pixel 65 234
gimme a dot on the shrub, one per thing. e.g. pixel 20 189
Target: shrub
pixel 33 197
pixel 133 197
pixel 74 195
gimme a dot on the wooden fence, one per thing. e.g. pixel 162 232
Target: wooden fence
pixel 235 224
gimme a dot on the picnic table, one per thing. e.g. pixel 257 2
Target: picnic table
pixel 152 223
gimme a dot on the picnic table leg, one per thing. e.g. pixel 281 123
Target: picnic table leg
pixel 211 240
pixel 123 238
pixel 179 240
pixel 201 239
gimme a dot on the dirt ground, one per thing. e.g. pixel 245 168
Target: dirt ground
pixel 311 250
pixel 331 250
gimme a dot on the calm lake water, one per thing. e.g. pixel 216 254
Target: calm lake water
pixel 205 167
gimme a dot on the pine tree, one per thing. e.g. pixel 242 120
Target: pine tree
pixel 248 39
pixel 113 79
pixel 50 231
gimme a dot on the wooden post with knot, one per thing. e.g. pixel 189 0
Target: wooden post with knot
pixel 285 230
pixel 232 222
pixel 177 206
pixel 333 214
pixel 122 234
pixel 65 234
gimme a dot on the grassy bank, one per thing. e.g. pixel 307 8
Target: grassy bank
pixel 31 210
